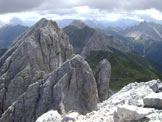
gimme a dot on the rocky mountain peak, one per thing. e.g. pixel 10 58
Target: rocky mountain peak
pixel 42 23
pixel 145 31
pixel 78 23
pixel 40 50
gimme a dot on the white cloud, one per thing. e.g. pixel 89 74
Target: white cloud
pixel 151 13
pixel 83 10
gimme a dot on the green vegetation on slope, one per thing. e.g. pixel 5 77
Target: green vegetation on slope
pixel 126 67
pixel 9 33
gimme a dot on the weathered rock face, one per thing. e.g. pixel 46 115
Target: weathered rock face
pixel 70 87
pixel 153 100
pixel 37 52
pixel 102 75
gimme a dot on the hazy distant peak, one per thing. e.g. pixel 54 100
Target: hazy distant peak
pixel 145 31
pixel 78 23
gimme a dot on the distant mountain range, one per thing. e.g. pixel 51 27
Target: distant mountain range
pixel 95 45
pixel 85 39
pixel 146 40
pixel 102 24
pixel 145 31
pixel 9 33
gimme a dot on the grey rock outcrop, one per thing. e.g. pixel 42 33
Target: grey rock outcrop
pixel 70 87
pixel 102 76
pixel 40 50
pixel 153 100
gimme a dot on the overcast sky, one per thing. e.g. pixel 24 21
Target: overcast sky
pixel 110 10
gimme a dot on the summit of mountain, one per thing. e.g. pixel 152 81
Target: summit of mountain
pixel 145 31
pixel 78 23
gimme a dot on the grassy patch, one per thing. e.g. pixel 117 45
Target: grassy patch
pixel 126 67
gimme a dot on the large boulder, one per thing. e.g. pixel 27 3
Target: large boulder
pixel 153 100
pixel 70 87
pixel 129 113
pixel 40 50
pixel 102 75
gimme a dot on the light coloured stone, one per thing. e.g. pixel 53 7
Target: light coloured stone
pixel 70 117
pixel 153 100
pixel 155 117
pixel 50 116
pixel 131 95
pixel 129 113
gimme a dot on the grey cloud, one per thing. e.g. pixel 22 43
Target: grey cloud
pixel 61 6
pixel 124 4
pixel 9 6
